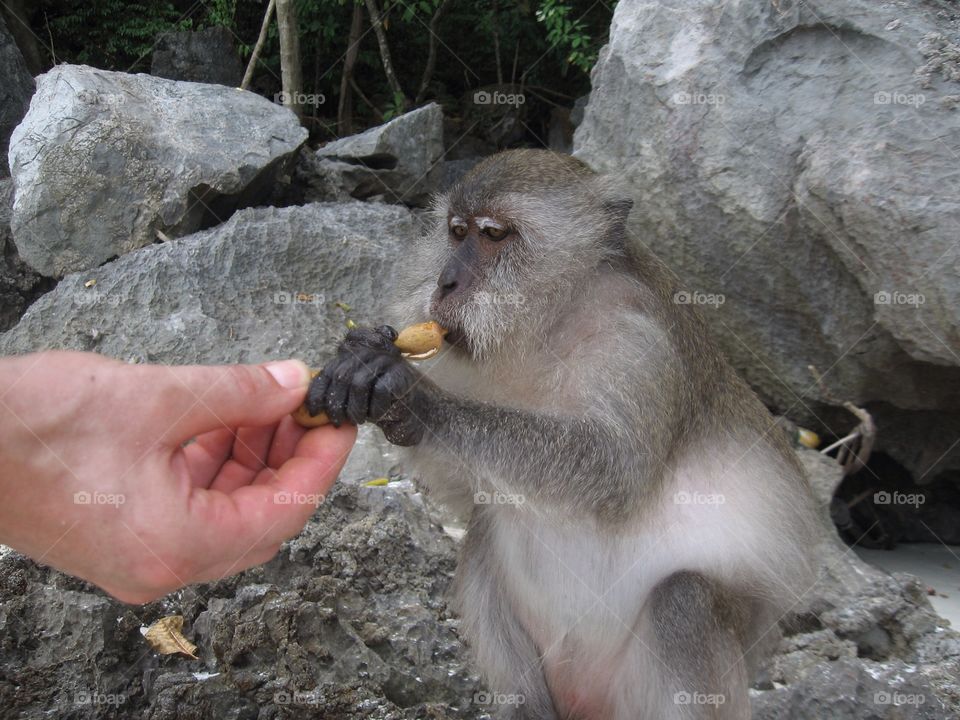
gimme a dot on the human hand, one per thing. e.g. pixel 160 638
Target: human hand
pixel 98 482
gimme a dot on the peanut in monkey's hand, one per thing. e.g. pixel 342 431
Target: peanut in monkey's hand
pixel 416 342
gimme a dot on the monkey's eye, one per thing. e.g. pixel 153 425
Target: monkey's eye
pixel 459 230
pixel 495 233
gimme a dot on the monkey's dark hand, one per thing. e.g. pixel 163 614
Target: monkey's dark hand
pixel 368 380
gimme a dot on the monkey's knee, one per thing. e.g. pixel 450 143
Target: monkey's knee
pixel 699 628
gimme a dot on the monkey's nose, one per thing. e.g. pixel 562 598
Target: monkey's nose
pixel 447 281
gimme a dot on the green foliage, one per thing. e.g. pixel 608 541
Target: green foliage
pixel 546 47
pixel 568 32
pixel 113 34
pixel 395 107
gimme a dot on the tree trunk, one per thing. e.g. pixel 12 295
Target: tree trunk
pixel 432 52
pixel 291 74
pixel 376 19
pixel 345 104
pixel 258 48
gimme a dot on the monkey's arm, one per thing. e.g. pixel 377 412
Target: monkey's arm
pixel 538 454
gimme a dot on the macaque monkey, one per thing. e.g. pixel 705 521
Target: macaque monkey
pixel 637 521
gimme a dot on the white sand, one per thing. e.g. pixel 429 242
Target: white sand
pixel 938 566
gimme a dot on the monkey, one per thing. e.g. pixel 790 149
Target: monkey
pixel 636 522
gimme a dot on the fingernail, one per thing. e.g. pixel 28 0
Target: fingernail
pixel 290 374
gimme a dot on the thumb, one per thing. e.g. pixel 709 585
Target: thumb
pixel 198 398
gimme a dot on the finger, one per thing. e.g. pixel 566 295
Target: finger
pixel 336 398
pixel 316 394
pixel 190 400
pixel 388 332
pixel 361 387
pixel 232 476
pixel 285 442
pixel 257 515
pixel 206 455
pixel 380 338
pixel 387 390
pixel 252 445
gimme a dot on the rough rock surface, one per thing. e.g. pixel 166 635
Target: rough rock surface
pixel 16 87
pixel 860 644
pixel 19 285
pixel 204 56
pixel 263 285
pixel 349 621
pixel 399 161
pixel 800 159
pixel 103 160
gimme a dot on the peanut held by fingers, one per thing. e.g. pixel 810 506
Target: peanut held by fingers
pixel 417 342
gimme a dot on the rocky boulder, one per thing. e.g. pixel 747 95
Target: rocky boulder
pixel 204 56
pixel 859 644
pixel 16 87
pixel 268 283
pixel 105 160
pixel 398 162
pixel 799 160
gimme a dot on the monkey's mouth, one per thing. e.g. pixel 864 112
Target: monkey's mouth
pixel 455 338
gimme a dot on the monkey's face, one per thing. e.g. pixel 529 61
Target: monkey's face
pixel 470 298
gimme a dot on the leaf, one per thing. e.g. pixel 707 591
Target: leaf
pixel 165 637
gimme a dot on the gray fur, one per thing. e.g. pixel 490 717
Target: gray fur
pixel 584 392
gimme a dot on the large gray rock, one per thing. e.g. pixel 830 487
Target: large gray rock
pixel 399 161
pixel 16 87
pixel 103 160
pixel 206 56
pixel 800 159
pixel 860 644
pixel 263 285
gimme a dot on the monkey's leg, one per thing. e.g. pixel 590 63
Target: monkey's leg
pixel 690 640
pixel 504 652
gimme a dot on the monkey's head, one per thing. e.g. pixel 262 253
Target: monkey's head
pixel 513 239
